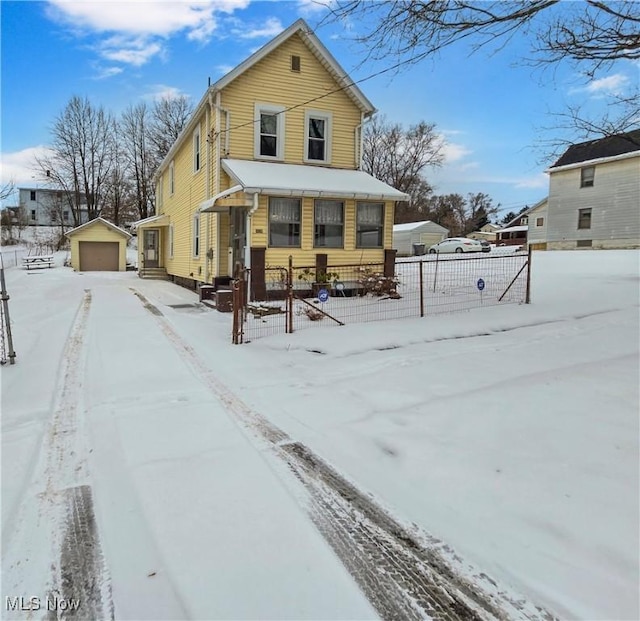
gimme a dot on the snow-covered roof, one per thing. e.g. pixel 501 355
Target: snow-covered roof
pixel 95 221
pixel 412 226
pixel 513 229
pixel 159 220
pixel 299 180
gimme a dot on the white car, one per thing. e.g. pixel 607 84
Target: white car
pixel 456 244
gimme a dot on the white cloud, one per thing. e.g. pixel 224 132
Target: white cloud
pixel 455 152
pixel 539 180
pixel 612 84
pixel 272 27
pixel 308 8
pixel 107 72
pixel 20 168
pixel 138 32
pixel 135 51
pixel 162 91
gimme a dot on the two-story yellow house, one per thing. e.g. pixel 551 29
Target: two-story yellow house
pixel 267 167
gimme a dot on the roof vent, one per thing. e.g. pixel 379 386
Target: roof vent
pixel 295 63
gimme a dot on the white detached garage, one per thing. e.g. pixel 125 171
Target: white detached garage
pixel 98 246
pixel 410 233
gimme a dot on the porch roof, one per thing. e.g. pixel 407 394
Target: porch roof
pixel 160 220
pixel 275 179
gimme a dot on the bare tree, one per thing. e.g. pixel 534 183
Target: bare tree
pixel 592 34
pixel 400 157
pixel 593 31
pixel 169 117
pixel 7 189
pixel 81 158
pixel 135 137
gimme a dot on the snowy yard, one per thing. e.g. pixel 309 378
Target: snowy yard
pixel 506 438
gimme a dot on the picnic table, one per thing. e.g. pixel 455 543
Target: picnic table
pixel 37 260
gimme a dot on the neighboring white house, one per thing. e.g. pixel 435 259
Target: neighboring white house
pixel 47 207
pixel 425 232
pixel 594 195
pixel 488 232
pixel 538 218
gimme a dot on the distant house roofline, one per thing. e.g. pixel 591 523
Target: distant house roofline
pixel 609 148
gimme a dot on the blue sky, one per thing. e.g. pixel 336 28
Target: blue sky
pixel 490 108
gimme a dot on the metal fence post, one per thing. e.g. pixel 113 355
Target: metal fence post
pixel 290 296
pixel 435 275
pixel 527 299
pixel 421 290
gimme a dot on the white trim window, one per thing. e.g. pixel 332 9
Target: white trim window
pixel 284 222
pixel 369 225
pixel 172 178
pixel 328 229
pixel 159 192
pixel 317 141
pixel 171 236
pixel 196 235
pixel 196 150
pixel 269 132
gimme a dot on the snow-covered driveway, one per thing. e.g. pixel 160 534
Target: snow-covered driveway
pixel 509 433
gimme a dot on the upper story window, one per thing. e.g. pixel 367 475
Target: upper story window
pixel 196 150
pixel 524 221
pixel 284 222
pixel 539 222
pixel 172 178
pixel 584 218
pixel 328 224
pixel 317 136
pixel 587 175
pixel 32 195
pixel 369 225
pixel 33 214
pixel 65 216
pixel 269 136
pixel 295 63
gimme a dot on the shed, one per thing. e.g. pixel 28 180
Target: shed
pixel 98 246
pixel 410 233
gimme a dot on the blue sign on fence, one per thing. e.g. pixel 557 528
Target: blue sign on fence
pixel 323 295
pixel 480 284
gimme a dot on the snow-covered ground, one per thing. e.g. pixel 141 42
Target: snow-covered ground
pixel 509 433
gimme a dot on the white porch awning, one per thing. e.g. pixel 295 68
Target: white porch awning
pixel 160 220
pixel 274 179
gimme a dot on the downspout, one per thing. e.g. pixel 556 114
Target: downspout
pixel 207 243
pixel 217 107
pixel 247 252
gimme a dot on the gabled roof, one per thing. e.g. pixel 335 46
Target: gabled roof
pixel 91 223
pixel 603 148
pixel 325 57
pixel 301 28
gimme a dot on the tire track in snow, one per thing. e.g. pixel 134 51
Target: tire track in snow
pixel 405 575
pixel 55 555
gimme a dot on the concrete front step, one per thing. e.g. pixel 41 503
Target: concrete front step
pixel 157 273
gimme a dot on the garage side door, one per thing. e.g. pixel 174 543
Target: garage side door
pixel 99 256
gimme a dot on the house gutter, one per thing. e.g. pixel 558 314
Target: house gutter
pixel 600 160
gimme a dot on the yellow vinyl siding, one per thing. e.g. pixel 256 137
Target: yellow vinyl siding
pixel 189 192
pixel 271 81
pixel 98 232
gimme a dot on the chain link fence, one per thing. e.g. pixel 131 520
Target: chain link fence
pixel 301 297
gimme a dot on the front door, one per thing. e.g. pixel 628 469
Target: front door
pixel 238 238
pixel 151 248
